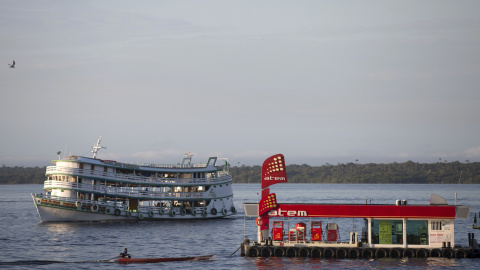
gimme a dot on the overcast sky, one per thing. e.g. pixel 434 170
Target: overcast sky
pixel 318 81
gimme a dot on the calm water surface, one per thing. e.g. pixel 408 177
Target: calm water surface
pixel 28 244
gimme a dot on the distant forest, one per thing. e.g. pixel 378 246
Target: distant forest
pixel 22 175
pixel 393 173
pixel 351 173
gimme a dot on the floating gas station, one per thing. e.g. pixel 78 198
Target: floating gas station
pixel 390 230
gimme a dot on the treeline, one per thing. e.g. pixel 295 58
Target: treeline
pixel 372 173
pixel 22 175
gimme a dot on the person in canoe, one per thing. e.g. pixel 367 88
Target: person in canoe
pixel 125 254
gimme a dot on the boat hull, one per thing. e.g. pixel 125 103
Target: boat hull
pixel 52 212
pixel 157 260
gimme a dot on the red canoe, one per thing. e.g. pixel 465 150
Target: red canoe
pixel 156 260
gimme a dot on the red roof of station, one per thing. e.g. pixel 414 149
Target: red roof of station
pixel 363 211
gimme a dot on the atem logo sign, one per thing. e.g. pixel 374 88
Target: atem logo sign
pixel 288 213
pixel 270 178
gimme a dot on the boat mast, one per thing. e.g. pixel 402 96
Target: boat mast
pixel 187 160
pixel 97 147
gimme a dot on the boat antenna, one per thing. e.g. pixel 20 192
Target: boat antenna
pixel 227 165
pixel 97 147
pixel 458 184
pixel 64 152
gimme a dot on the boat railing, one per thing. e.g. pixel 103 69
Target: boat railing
pixel 138 192
pixel 138 179
pixel 116 204
pixel 138 164
pixel 167 209
pixel 119 204
pixel 152 165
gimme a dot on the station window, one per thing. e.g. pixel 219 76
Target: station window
pixel 387 231
pixel 417 233
pixel 436 226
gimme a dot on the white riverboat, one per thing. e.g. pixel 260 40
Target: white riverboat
pixel 91 189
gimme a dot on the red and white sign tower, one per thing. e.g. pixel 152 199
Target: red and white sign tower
pixel 273 172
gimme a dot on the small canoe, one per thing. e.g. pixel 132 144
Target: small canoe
pixel 156 260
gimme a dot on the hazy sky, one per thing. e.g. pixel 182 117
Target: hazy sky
pixel 319 81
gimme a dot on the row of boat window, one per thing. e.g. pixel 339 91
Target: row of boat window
pixel 133 203
pixel 64 178
pixel 168 175
pixel 147 189
pixel 155 174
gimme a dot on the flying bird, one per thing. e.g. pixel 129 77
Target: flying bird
pixel 12 65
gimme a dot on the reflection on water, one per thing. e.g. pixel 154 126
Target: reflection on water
pixel 442 262
pixel 384 263
pixel 58 228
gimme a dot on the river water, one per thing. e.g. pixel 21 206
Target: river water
pixel 28 244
